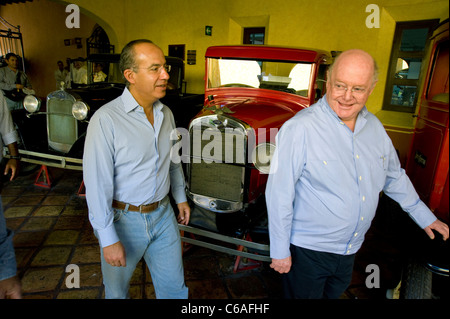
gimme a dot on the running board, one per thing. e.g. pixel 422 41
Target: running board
pixel 48 159
pixel 264 249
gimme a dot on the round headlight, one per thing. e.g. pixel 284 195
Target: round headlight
pixel 31 103
pixel 262 156
pixel 80 110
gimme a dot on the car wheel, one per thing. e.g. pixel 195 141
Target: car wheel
pixel 416 282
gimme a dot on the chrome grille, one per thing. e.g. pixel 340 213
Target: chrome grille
pixel 216 170
pixel 62 127
pixel 220 181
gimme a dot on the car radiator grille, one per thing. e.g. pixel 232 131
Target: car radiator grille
pixel 216 170
pixel 220 181
pixel 61 125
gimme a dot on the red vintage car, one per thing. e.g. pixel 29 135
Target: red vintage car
pixel 250 91
pixel 427 272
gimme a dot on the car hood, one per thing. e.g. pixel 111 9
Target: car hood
pixel 97 95
pixel 257 112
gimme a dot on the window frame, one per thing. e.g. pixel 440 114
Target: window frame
pixel 396 54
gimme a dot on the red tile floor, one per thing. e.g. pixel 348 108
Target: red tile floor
pixel 52 231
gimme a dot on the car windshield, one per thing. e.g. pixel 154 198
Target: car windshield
pixel 288 77
pixel 95 72
pixel 98 72
pixel 106 72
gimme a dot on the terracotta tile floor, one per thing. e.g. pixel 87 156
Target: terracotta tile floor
pixel 52 231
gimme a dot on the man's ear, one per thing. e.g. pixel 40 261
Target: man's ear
pixel 129 75
pixel 373 87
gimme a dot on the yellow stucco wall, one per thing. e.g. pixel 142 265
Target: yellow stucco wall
pixel 42 24
pixel 327 24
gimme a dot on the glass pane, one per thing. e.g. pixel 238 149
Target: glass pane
pixel 271 75
pixel 403 95
pixel 408 68
pixel 414 39
pixel 438 89
pixel 257 38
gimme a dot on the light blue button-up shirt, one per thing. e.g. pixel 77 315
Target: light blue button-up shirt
pixel 325 182
pixel 128 159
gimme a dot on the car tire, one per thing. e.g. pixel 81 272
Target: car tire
pixel 416 282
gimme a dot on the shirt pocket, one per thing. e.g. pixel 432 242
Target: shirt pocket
pixel 378 171
pixel 326 175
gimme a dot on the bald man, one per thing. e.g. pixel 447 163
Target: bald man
pixel 128 175
pixel 331 163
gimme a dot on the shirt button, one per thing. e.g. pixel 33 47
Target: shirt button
pixel 356 234
pixel 362 218
pixel 364 198
pixel 357 156
pixel 360 178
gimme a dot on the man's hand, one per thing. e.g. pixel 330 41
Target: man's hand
pixel 115 255
pixel 184 213
pixel 10 288
pixel 282 265
pixel 438 226
pixel 13 166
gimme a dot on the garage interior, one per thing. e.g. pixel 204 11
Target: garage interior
pixel 50 221
pixel 52 231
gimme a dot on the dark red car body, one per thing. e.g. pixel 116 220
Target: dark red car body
pixel 256 109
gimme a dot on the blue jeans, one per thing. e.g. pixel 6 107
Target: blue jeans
pixel 8 265
pixel 154 236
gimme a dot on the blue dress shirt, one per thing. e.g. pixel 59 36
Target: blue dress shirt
pixel 325 181
pixel 128 159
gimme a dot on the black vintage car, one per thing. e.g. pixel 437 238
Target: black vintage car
pixel 52 133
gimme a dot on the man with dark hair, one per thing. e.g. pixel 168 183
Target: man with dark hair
pixel 13 81
pixel 128 174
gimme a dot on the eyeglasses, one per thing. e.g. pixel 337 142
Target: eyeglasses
pixel 157 68
pixel 341 88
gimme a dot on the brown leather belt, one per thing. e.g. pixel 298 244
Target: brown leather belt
pixel 141 208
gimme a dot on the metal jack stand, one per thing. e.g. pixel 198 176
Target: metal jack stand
pixel 243 250
pixel 245 263
pixel 82 189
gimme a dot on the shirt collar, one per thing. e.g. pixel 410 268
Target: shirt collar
pixel 327 108
pixel 130 103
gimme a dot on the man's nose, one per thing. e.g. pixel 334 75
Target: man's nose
pixel 348 94
pixel 164 74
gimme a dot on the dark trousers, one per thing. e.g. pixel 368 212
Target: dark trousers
pixel 317 275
